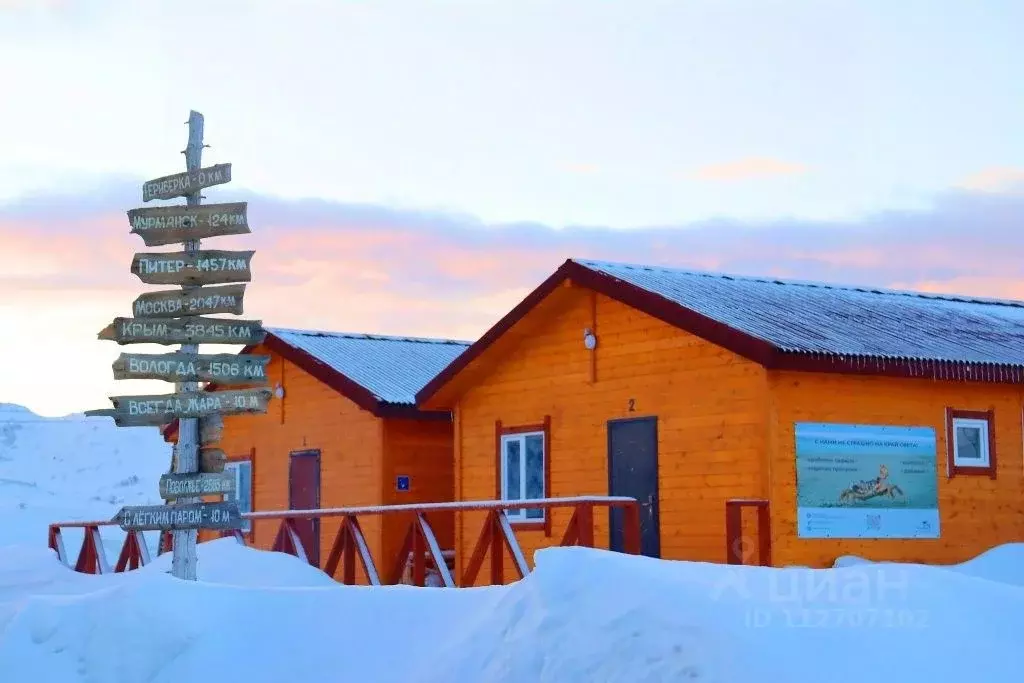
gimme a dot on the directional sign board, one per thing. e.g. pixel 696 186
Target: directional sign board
pixel 191 330
pixel 159 409
pixel 222 368
pixel 210 267
pixel 176 303
pixel 171 224
pixel 221 516
pixel 174 486
pixel 181 184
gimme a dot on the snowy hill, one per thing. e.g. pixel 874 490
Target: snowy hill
pixel 73 467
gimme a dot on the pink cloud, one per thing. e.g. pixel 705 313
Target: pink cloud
pixel 994 179
pixel 746 169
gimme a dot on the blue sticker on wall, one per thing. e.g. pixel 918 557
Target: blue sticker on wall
pixel 402 482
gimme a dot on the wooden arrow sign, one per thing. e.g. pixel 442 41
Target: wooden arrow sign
pixel 171 224
pixel 222 516
pixel 181 184
pixel 222 368
pixel 174 486
pixel 175 303
pixel 159 409
pixel 209 267
pixel 192 330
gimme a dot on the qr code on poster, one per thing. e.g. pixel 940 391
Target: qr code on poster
pixel 874 521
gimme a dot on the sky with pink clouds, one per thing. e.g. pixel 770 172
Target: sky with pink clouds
pixel 417 167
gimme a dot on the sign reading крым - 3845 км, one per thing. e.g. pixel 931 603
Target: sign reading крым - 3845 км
pixel 184 331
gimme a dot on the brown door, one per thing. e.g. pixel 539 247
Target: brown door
pixel 304 494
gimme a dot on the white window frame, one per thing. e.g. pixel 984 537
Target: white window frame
pixel 985 460
pixel 236 468
pixel 519 515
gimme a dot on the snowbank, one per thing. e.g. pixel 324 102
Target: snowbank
pixel 582 615
pixel 73 468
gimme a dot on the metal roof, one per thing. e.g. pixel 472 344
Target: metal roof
pixel 393 369
pixel 807 317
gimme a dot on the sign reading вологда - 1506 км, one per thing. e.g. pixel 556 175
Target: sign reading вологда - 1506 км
pixel 222 368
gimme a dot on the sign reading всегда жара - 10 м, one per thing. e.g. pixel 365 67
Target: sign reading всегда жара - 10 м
pixel 866 481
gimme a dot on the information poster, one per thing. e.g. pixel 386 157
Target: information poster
pixel 866 481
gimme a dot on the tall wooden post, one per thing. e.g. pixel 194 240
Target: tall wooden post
pixel 185 558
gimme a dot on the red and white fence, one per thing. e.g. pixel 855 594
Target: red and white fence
pixel 419 553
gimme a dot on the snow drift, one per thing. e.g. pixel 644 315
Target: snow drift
pixel 582 615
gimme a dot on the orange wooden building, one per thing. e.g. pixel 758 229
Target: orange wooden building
pixel 751 417
pixel 343 430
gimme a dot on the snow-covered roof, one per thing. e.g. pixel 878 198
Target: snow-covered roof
pixel 392 369
pixel 794 325
pixel 808 317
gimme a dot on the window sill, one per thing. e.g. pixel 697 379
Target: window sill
pixel 532 525
pixel 972 471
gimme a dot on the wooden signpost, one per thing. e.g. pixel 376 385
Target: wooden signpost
pixel 174 303
pixel 173 486
pixel 159 409
pixel 222 368
pixel 180 517
pixel 175 224
pixel 183 331
pixel 196 268
pixel 178 317
pixel 187 184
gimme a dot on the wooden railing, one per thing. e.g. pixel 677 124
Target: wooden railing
pixel 739 548
pixel 419 552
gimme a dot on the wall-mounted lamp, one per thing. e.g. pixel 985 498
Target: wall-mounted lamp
pixel 589 340
pixel 279 390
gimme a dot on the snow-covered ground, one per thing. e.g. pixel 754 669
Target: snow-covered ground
pixel 73 468
pixel 582 616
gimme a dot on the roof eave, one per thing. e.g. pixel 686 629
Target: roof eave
pixel 907 368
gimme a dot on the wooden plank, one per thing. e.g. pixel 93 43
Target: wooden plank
pixel 211 429
pixel 174 486
pixel 186 182
pixel 222 368
pixel 190 330
pixel 223 516
pixel 212 460
pixel 159 409
pixel 205 267
pixel 161 225
pixel 177 303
